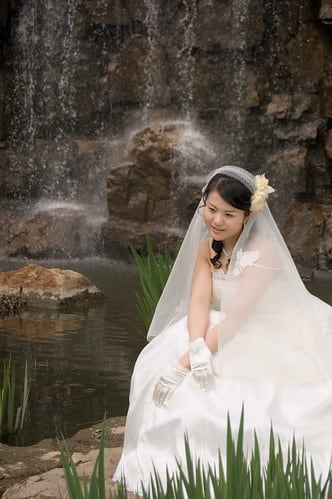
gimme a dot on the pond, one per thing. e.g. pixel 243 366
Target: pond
pixel 81 362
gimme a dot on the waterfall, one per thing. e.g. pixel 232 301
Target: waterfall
pixel 173 70
pixel 50 64
pixel 157 91
pixel 44 121
pixel 45 54
pixel 43 95
pixel 238 75
pixel 186 59
pixel 152 61
pixel 23 122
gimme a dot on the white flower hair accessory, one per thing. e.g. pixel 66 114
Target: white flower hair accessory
pixel 262 191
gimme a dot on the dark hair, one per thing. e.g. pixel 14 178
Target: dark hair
pixel 234 193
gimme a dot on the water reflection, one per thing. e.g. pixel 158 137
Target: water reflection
pixel 81 362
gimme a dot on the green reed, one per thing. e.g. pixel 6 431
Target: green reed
pixel 83 488
pixel 12 417
pixel 153 269
pixel 284 476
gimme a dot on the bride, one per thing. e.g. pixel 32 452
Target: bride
pixel 235 326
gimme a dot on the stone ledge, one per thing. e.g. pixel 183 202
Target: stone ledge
pixel 35 472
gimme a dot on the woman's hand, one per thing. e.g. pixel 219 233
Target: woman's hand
pixel 200 361
pixel 168 383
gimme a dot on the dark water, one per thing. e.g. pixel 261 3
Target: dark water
pixel 81 362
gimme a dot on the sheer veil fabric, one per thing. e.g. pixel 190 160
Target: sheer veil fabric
pixel 264 286
pixel 274 358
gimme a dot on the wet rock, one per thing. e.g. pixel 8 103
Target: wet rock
pixel 43 287
pixel 328 144
pixel 325 13
pixel 308 230
pixel 156 191
pixel 129 86
pixel 254 76
pixel 59 232
pixel 292 107
pixel 243 16
pixel 2 107
pixel 287 173
pixel 104 12
pixel 119 234
pixel 300 133
pixel 325 88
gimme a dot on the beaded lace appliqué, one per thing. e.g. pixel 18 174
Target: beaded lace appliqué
pixel 218 274
pixel 244 259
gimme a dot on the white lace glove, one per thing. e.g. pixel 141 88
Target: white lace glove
pixel 167 384
pixel 200 361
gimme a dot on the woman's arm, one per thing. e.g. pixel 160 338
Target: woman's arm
pixel 198 357
pixel 200 298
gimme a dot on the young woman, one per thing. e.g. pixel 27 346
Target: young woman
pixel 234 327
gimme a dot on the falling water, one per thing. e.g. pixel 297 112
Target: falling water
pixel 151 22
pixel 43 97
pixel 235 80
pixel 45 54
pixel 24 81
pixel 238 73
pixel 186 67
pixel 157 93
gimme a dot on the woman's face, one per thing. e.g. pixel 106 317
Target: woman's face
pixel 223 221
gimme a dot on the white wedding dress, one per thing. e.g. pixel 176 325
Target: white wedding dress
pixel 276 381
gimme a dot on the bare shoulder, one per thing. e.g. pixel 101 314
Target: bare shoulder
pixel 203 254
pixel 204 249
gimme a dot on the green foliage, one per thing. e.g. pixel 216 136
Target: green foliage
pixel 12 418
pixel 153 270
pixel 242 477
pixel 80 488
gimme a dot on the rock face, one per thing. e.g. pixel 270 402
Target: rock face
pixel 308 230
pixel 56 233
pixel 325 13
pixel 253 76
pixel 35 472
pixel 49 288
pixel 155 191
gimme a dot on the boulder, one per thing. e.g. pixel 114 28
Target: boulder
pixel 118 234
pixel 51 288
pixel 156 190
pixel 59 232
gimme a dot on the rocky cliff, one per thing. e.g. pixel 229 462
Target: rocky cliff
pixel 80 79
